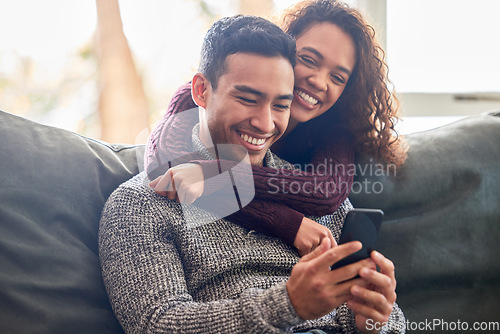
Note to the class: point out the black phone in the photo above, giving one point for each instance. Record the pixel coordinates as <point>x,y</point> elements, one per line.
<point>362,225</point>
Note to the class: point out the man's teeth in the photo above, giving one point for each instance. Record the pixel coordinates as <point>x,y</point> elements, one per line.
<point>306,97</point>
<point>251,140</point>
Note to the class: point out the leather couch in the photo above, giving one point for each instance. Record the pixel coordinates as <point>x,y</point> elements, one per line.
<point>442,227</point>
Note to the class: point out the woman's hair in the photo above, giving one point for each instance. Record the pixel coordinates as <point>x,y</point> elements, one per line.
<point>367,106</point>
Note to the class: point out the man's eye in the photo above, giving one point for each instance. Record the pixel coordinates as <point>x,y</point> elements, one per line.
<point>246,101</point>
<point>282,106</point>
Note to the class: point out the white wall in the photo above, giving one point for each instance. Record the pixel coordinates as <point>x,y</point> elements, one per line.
<point>421,100</point>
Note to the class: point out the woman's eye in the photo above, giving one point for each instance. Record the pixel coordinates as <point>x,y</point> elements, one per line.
<point>337,79</point>
<point>308,61</point>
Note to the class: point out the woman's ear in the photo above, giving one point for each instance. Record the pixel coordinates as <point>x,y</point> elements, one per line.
<point>200,87</point>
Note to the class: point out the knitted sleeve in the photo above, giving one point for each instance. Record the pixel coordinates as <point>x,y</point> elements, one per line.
<point>144,276</point>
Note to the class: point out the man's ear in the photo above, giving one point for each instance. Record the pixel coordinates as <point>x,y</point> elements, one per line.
<point>200,88</point>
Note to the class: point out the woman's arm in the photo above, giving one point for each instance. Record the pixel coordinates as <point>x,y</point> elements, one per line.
<point>320,189</point>
<point>317,191</point>
<point>170,134</point>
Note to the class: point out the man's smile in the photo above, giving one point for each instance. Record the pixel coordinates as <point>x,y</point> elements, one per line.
<point>252,141</point>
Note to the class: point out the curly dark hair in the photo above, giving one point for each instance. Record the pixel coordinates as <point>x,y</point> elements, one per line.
<point>367,107</point>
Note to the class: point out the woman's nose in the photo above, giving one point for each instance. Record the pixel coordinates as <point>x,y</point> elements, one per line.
<point>319,81</point>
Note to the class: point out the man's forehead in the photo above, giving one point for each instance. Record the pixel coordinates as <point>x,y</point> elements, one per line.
<point>252,73</point>
<point>240,58</point>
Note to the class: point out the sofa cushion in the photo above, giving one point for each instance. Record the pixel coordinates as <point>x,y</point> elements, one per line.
<point>53,185</point>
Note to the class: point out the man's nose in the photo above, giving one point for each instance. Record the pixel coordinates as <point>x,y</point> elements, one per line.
<point>262,120</point>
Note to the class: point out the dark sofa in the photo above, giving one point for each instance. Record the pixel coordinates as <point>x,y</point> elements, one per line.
<point>442,224</point>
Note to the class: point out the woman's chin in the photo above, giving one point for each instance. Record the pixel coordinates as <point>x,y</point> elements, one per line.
<point>302,116</point>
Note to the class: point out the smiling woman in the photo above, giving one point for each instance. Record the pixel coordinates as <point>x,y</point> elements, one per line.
<point>326,58</point>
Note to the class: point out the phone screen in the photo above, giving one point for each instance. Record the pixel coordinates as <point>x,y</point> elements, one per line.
<point>361,225</point>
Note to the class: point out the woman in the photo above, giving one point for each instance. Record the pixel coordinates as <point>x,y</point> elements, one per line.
<point>341,105</point>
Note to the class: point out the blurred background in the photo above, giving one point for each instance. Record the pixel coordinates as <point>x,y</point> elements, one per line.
<point>107,69</point>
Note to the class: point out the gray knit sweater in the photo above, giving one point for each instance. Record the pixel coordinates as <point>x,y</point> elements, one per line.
<point>164,274</point>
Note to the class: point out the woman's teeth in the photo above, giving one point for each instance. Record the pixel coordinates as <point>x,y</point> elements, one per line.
<point>251,140</point>
<point>306,97</point>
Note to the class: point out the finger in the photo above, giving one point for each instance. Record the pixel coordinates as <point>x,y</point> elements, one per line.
<point>324,245</point>
<point>170,195</point>
<point>367,311</point>
<point>386,266</point>
<point>370,304</point>
<point>329,235</point>
<point>335,254</point>
<point>169,186</point>
<point>159,186</point>
<point>164,183</point>
<point>334,243</point>
<point>153,183</point>
<point>348,272</point>
<point>344,287</point>
<point>380,283</point>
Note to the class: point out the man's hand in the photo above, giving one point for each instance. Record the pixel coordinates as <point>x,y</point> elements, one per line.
<point>376,300</point>
<point>183,183</point>
<point>314,289</point>
<point>309,236</point>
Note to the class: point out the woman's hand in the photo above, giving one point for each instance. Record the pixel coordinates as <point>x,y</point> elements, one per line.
<point>309,236</point>
<point>183,183</point>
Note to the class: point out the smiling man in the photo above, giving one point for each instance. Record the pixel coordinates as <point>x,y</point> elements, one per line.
<point>250,105</point>
<point>165,275</point>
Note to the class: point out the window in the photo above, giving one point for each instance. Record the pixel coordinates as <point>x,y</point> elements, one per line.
<point>445,46</point>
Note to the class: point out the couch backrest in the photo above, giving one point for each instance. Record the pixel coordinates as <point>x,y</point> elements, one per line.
<point>53,185</point>
<point>442,226</point>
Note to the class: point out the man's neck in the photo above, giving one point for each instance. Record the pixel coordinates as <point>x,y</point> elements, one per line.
<point>204,134</point>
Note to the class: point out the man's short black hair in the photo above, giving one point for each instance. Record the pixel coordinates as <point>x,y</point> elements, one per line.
<point>240,33</point>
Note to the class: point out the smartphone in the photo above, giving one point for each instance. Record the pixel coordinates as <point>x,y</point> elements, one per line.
<point>362,225</point>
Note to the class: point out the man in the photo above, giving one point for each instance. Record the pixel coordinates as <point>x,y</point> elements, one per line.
<point>164,274</point>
